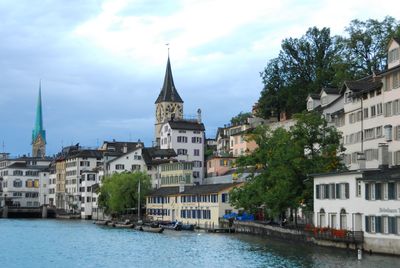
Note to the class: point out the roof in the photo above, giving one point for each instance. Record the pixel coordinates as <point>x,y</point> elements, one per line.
<point>38,128</point>
<point>330,90</point>
<point>118,146</point>
<point>382,174</point>
<point>186,125</point>
<point>87,153</point>
<point>23,165</point>
<point>314,96</point>
<point>149,155</point>
<point>246,131</point>
<point>362,86</point>
<point>193,190</point>
<point>168,92</point>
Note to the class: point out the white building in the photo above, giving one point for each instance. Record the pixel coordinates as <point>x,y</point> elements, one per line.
<point>362,200</point>
<point>23,180</point>
<point>76,164</point>
<point>187,138</point>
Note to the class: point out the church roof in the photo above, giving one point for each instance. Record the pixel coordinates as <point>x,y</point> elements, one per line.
<point>168,92</point>
<point>186,125</point>
<point>38,129</point>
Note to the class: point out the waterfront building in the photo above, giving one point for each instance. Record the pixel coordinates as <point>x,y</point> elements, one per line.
<point>38,133</point>
<point>52,184</point>
<point>23,179</point>
<point>366,200</point>
<point>202,205</point>
<point>75,165</point>
<point>187,138</point>
<point>88,183</point>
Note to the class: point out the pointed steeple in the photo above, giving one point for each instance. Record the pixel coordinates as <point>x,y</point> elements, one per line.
<point>168,92</point>
<point>38,128</point>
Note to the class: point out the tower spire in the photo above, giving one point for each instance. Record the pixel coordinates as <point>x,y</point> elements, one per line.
<point>168,92</point>
<point>38,133</point>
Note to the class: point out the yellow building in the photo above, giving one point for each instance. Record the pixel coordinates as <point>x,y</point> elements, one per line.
<point>201,205</point>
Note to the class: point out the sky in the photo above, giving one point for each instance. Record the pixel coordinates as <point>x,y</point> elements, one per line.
<point>102,63</point>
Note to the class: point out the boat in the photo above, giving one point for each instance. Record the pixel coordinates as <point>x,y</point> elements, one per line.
<point>150,229</point>
<point>125,224</point>
<point>105,222</point>
<point>177,226</point>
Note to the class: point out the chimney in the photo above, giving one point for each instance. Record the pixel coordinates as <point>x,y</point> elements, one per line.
<point>199,115</point>
<point>125,148</point>
<point>383,155</point>
<point>361,161</point>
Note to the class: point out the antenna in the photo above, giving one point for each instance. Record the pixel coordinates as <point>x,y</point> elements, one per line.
<point>3,147</point>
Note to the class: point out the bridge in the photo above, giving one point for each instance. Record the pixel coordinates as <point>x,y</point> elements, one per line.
<point>27,212</point>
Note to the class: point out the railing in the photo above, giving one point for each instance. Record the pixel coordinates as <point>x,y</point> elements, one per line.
<point>335,234</point>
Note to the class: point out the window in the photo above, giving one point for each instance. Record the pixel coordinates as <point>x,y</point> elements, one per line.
<point>379,132</point>
<point>196,174</point>
<point>365,112</point>
<point>379,109</point>
<point>373,111</point>
<point>181,152</point>
<point>196,139</point>
<point>18,173</point>
<point>395,80</point>
<point>197,164</point>
<point>135,167</point>
<point>119,167</point>
<point>17,183</point>
<point>369,133</point>
<point>181,139</point>
<point>358,193</point>
<point>196,152</point>
<point>393,55</point>
<point>388,109</point>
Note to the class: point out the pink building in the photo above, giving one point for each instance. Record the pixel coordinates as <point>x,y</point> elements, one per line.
<point>218,166</point>
<point>240,145</point>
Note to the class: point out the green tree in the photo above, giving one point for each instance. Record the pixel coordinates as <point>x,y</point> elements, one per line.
<point>365,49</point>
<point>286,159</point>
<point>240,118</point>
<point>304,66</point>
<point>120,191</point>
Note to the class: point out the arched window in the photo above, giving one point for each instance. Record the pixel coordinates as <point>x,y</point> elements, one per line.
<point>343,219</point>
<point>321,218</point>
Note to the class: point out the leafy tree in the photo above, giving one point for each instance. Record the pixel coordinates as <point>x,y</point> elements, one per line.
<point>120,191</point>
<point>286,159</point>
<point>240,118</point>
<point>303,66</point>
<point>366,46</point>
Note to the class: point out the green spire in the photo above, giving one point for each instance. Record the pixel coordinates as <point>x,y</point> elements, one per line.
<point>38,129</point>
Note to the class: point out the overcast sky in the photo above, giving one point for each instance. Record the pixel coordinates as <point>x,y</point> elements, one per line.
<point>102,63</point>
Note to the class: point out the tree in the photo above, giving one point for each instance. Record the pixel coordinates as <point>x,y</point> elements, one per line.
<point>240,118</point>
<point>304,66</point>
<point>366,46</point>
<point>119,192</point>
<point>286,159</point>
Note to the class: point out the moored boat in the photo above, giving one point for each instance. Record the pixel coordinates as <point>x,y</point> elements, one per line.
<point>150,229</point>
<point>105,222</point>
<point>177,226</point>
<point>124,225</point>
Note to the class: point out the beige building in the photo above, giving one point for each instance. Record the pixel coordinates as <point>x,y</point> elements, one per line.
<point>176,173</point>
<point>202,205</point>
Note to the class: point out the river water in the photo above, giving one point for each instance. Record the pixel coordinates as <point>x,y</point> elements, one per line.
<point>57,243</point>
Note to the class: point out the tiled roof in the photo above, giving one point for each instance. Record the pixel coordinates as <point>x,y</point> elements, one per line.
<point>186,125</point>
<point>193,190</point>
<point>330,90</point>
<point>363,86</point>
<point>149,155</point>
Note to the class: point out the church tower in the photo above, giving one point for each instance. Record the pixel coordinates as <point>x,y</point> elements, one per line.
<point>38,133</point>
<point>169,104</point>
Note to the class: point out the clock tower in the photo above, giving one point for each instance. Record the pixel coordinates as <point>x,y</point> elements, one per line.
<point>169,104</point>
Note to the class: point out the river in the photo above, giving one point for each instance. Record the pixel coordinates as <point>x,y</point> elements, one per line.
<point>58,243</point>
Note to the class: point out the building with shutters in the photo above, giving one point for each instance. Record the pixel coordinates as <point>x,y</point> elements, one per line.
<point>366,200</point>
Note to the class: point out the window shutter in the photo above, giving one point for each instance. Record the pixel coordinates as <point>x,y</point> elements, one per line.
<point>318,191</point>
<point>367,191</point>
<point>338,191</point>
<point>378,224</point>
<point>378,192</point>
<point>367,228</point>
<point>347,186</point>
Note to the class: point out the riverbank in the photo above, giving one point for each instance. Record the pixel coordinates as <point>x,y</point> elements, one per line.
<point>350,240</point>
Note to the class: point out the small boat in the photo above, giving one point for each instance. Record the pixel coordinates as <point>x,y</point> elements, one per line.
<point>105,222</point>
<point>177,226</point>
<point>150,229</point>
<point>124,225</point>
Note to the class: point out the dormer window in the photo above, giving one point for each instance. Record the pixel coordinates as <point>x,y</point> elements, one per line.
<point>393,55</point>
